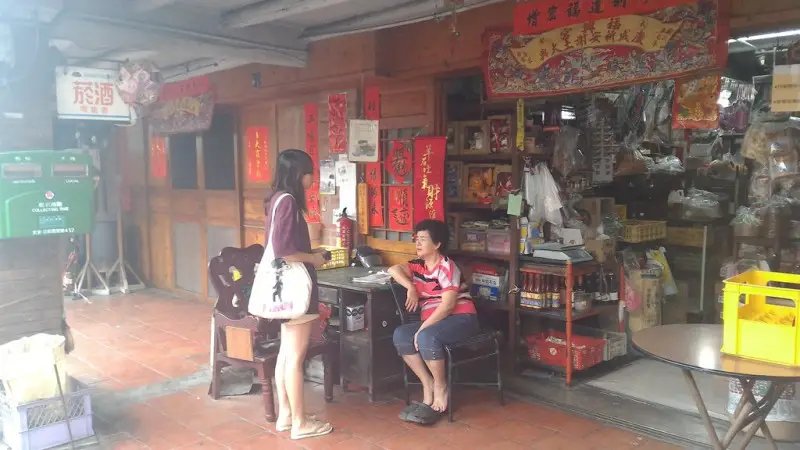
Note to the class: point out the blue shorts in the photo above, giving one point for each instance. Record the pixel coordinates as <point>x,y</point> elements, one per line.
<point>450,330</point>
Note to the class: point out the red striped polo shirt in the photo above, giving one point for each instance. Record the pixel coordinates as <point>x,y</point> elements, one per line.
<point>431,284</point>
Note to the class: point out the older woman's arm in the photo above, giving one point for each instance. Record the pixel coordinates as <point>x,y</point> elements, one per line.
<point>449,299</point>
<point>402,276</point>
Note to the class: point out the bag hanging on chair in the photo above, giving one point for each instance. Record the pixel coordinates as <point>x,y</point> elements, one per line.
<point>281,289</point>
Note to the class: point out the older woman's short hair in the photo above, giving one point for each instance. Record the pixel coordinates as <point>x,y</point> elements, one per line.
<point>438,230</point>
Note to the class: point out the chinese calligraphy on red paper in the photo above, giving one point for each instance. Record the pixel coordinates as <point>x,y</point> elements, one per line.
<point>311,115</point>
<point>158,157</point>
<point>257,144</point>
<point>375,194</point>
<point>400,208</point>
<point>429,153</point>
<point>398,160</point>
<point>537,16</point>
<point>337,123</point>
<point>372,103</point>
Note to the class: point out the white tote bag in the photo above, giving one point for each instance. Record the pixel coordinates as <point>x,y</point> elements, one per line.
<point>281,289</point>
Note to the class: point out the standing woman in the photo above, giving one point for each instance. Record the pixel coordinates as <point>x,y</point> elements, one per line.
<point>294,173</point>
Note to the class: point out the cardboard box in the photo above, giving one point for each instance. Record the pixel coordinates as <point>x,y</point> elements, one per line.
<point>652,291</point>
<point>595,208</point>
<point>602,249</point>
<point>676,307</point>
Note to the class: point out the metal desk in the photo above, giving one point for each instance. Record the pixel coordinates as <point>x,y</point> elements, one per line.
<point>367,357</point>
<point>697,348</point>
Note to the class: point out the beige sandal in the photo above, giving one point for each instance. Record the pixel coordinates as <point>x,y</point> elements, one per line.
<point>318,429</point>
<point>288,427</point>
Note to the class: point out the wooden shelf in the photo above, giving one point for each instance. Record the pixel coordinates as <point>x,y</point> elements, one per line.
<point>561,314</point>
<point>560,270</point>
<point>488,157</point>
<point>482,255</point>
<point>476,206</point>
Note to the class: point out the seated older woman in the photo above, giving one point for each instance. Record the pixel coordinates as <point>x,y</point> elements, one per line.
<point>448,314</point>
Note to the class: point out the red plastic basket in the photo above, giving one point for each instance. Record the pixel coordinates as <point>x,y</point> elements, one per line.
<point>586,351</point>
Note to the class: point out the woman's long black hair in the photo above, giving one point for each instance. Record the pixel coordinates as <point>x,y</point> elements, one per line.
<point>292,165</point>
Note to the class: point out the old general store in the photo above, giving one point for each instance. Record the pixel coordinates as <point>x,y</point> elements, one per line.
<point>455,110</point>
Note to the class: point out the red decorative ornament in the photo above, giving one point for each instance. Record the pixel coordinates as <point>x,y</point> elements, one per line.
<point>375,194</point>
<point>311,115</point>
<point>337,123</point>
<point>398,160</point>
<point>400,208</point>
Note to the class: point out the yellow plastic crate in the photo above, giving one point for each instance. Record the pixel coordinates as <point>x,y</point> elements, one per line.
<point>757,330</point>
<point>635,231</point>
<point>687,236</point>
<point>339,258</point>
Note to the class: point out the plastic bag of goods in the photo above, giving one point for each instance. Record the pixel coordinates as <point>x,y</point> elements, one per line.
<point>27,368</point>
<point>783,420</point>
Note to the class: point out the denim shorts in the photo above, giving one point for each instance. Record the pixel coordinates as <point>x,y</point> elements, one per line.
<point>450,330</point>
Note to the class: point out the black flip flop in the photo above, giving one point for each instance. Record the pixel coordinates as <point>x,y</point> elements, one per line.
<point>423,415</point>
<point>408,410</point>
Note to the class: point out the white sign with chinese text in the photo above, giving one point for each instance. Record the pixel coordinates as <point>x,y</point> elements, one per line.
<point>89,94</point>
<point>786,88</point>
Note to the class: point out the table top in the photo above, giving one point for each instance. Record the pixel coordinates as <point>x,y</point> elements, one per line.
<point>343,279</point>
<point>697,347</point>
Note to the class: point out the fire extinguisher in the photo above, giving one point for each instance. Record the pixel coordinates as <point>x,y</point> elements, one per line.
<point>344,232</point>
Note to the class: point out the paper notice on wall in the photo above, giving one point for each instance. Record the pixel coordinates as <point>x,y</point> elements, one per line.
<point>786,88</point>
<point>327,177</point>
<point>348,187</point>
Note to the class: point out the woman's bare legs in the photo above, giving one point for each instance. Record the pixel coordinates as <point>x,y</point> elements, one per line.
<point>284,408</point>
<point>292,354</point>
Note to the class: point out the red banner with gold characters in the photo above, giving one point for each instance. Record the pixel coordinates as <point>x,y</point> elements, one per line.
<point>609,52</point>
<point>398,160</point>
<point>375,194</point>
<point>257,145</point>
<point>400,218</point>
<point>372,103</point>
<point>158,157</point>
<point>337,123</point>
<point>694,104</point>
<point>311,113</point>
<point>429,155</point>
<point>538,16</point>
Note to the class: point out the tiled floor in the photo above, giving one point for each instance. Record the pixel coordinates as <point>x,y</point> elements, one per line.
<point>147,354</point>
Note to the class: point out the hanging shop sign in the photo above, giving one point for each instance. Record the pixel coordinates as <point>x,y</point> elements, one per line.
<point>311,118</point>
<point>538,16</point>
<point>158,157</point>
<point>786,88</point>
<point>610,52</point>
<point>400,214</point>
<point>257,145</point>
<point>429,153</point>
<point>184,107</point>
<point>398,160</point>
<point>372,103</point>
<point>89,94</point>
<point>694,105</point>
<point>375,194</point>
<point>337,123</point>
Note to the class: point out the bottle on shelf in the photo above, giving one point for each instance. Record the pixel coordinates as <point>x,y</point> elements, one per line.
<point>525,294</point>
<point>538,302</point>
<point>547,296</point>
<point>613,286</point>
<point>555,292</point>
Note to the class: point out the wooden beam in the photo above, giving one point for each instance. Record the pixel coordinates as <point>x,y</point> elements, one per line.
<point>150,5</point>
<point>764,22</point>
<point>399,15</point>
<point>85,30</point>
<point>272,10</point>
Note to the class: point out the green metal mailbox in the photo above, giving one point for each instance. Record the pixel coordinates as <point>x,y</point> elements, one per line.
<point>45,192</point>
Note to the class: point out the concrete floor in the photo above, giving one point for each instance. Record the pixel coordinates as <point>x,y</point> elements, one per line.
<point>146,358</point>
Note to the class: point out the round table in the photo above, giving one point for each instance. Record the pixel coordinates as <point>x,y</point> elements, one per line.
<point>696,348</point>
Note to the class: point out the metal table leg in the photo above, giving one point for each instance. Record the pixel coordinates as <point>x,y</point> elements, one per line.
<point>748,411</point>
